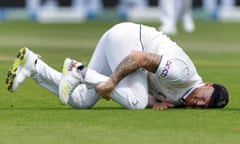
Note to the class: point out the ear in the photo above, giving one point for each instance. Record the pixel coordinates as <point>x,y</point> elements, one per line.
<point>208,84</point>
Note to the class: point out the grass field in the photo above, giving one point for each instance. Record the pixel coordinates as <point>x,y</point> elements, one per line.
<point>32,115</point>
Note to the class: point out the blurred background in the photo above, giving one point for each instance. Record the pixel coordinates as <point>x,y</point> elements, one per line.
<point>46,11</point>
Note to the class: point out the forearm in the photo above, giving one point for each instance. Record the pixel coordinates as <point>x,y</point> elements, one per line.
<point>126,67</point>
<point>133,62</point>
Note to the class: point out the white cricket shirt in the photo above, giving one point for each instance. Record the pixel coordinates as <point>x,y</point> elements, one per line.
<point>176,76</point>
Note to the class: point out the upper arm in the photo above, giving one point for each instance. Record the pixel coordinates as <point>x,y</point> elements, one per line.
<point>149,61</point>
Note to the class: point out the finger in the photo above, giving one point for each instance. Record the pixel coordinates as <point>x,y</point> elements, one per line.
<point>159,108</point>
<point>106,97</point>
<point>170,105</point>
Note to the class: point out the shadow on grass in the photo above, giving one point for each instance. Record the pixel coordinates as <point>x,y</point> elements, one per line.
<point>107,108</point>
<point>61,108</point>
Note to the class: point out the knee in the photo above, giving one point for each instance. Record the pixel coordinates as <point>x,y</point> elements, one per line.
<point>129,100</point>
<point>137,105</point>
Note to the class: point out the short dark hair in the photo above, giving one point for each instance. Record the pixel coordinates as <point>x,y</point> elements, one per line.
<point>219,98</point>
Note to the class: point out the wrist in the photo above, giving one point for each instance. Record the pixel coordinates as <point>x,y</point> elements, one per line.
<point>112,83</point>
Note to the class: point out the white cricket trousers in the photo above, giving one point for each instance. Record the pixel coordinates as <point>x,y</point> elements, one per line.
<point>114,46</point>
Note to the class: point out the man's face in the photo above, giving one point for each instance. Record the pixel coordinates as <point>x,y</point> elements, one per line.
<point>200,97</point>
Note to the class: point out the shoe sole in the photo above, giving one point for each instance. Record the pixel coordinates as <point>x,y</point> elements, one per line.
<point>19,60</point>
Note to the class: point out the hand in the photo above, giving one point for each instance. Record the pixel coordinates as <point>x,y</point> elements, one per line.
<point>162,105</point>
<point>104,89</point>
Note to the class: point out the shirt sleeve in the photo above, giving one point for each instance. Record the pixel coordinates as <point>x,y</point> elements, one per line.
<point>173,70</point>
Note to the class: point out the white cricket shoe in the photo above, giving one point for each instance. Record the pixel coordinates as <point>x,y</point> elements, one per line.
<point>72,76</point>
<point>22,68</point>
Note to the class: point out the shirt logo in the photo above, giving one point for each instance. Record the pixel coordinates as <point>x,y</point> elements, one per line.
<point>166,69</point>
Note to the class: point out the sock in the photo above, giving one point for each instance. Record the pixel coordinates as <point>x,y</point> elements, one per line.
<point>92,78</point>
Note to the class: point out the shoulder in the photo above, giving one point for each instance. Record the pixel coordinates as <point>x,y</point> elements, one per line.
<point>174,70</point>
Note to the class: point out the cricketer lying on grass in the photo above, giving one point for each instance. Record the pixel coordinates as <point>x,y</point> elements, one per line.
<point>133,64</point>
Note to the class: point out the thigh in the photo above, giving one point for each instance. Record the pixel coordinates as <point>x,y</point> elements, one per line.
<point>98,61</point>
<point>114,46</point>
<point>122,39</point>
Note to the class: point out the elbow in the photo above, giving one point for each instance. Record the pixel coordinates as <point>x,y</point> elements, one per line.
<point>136,56</point>
<point>134,53</point>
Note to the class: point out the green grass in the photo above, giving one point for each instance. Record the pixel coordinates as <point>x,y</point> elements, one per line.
<point>34,115</point>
